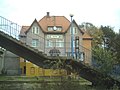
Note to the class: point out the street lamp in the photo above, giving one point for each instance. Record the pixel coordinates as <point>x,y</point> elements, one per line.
<point>72,49</point>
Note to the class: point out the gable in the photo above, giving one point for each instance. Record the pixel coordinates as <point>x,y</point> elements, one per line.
<point>35,25</point>
<point>74,22</point>
<point>76,29</point>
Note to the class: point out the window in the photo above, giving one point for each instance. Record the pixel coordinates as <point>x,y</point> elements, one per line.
<point>56,43</point>
<point>35,43</point>
<point>59,28</point>
<point>50,28</point>
<point>55,40</point>
<point>74,30</point>
<point>35,30</point>
<point>59,43</point>
<point>49,43</point>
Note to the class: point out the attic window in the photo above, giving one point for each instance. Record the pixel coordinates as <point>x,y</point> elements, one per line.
<point>35,30</point>
<point>74,30</point>
<point>55,28</point>
<point>50,28</point>
<point>59,28</point>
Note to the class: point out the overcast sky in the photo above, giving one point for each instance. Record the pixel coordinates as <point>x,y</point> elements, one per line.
<point>97,12</point>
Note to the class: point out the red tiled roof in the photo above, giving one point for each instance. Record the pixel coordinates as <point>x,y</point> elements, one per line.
<point>86,36</point>
<point>50,21</point>
<point>54,21</point>
<point>24,29</point>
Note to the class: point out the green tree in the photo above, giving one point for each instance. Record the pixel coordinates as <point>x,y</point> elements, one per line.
<point>94,32</point>
<point>104,59</point>
<point>108,36</point>
<point>113,41</point>
<point>116,47</point>
<point>104,36</point>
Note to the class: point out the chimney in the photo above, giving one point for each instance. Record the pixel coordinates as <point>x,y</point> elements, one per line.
<point>48,14</point>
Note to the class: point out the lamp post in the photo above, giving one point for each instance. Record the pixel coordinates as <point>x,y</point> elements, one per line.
<point>72,49</point>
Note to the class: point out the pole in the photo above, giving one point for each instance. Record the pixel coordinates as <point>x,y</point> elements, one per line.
<point>72,49</point>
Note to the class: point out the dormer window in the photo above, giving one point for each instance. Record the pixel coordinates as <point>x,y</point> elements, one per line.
<point>50,28</point>
<point>35,30</point>
<point>59,28</point>
<point>54,28</point>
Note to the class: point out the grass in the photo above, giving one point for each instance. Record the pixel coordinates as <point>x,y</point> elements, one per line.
<point>50,79</point>
<point>40,83</point>
<point>46,83</point>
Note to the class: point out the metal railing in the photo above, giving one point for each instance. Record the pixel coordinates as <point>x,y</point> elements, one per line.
<point>9,27</point>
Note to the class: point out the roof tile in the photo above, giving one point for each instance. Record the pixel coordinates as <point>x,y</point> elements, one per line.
<point>54,21</point>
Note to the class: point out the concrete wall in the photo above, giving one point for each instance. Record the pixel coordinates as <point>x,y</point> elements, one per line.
<point>11,63</point>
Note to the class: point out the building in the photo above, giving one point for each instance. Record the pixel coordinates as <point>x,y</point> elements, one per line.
<point>54,32</point>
